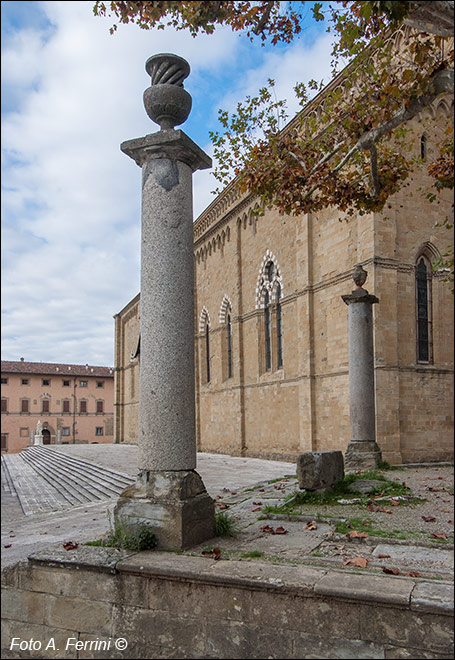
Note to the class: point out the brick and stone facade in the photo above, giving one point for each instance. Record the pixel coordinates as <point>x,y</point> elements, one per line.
<point>275,383</point>
<point>74,403</point>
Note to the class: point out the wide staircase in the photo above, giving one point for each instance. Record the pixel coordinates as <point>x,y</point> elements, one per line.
<point>49,480</point>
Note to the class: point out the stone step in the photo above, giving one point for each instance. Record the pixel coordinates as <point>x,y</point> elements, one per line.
<point>111,477</point>
<point>81,479</point>
<point>7,482</point>
<point>34,493</point>
<point>66,480</point>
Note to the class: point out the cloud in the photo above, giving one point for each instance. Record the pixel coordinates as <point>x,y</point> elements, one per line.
<point>71,199</point>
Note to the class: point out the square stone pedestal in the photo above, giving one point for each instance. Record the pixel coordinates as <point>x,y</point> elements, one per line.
<point>362,456</point>
<point>319,471</point>
<point>175,505</point>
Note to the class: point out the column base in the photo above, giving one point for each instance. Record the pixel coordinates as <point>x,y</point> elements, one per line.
<point>175,504</point>
<point>362,456</point>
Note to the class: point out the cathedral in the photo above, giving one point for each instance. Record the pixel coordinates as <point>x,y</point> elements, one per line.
<point>271,328</point>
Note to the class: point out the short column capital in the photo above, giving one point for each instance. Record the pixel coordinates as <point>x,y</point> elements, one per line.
<point>172,144</point>
<point>360,296</point>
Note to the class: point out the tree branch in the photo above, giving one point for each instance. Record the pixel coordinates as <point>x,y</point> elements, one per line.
<point>264,18</point>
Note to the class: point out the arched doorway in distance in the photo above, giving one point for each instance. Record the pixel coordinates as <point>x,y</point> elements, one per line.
<point>46,437</point>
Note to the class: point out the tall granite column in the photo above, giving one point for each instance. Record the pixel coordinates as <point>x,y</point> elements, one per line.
<point>362,452</point>
<point>168,495</point>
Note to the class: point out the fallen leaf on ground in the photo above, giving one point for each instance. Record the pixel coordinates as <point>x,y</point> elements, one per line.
<point>357,535</point>
<point>70,545</point>
<point>450,522</point>
<point>222,505</point>
<point>394,503</point>
<point>340,547</point>
<point>435,535</point>
<point>412,574</point>
<point>311,525</point>
<point>8,546</point>
<point>258,508</point>
<point>233,492</point>
<point>261,490</point>
<point>42,533</point>
<point>433,490</point>
<point>390,571</point>
<point>383,556</point>
<point>257,503</point>
<point>269,530</point>
<point>428,518</point>
<point>357,561</point>
<point>214,553</point>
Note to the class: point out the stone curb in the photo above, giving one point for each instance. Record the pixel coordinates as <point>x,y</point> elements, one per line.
<point>421,595</point>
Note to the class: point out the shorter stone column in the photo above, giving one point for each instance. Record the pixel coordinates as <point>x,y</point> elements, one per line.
<point>363,452</point>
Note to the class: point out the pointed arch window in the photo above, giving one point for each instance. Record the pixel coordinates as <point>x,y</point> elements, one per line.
<point>207,352</point>
<point>279,335</point>
<point>267,332</point>
<point>423,310</point>
<point>229,344</point>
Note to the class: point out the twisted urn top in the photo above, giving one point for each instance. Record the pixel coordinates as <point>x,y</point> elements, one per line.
<point>166,101</point>
<point>167,69</point>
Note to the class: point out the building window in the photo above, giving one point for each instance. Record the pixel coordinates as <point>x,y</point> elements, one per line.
<point>65,431</point>
<point>4,381</point>
<point>100,383</point>
<point>423,147</point>
<point>83,383</point>
<point>24,432</point>
<point>66,383</point>
<point>268,333</point>
<point>24,381</point>
<point>229,344</point>
<point>207,352</point>
<point>45,405</point>
<point>24,405</point>
<point>4,405</point>
<point>45,381</point>
<point>423,309</point>
<point>99,430</point>
<point>279,337</point>
<point>4,441</point>
<point>83,406</point>
<point>66,406</point>
<point>99,407</point>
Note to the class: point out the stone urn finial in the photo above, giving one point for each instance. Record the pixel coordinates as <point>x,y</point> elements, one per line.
<point>359,276</point>
<point>166,102</point>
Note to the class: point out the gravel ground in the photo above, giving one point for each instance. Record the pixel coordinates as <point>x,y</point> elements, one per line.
<point>432,484</point>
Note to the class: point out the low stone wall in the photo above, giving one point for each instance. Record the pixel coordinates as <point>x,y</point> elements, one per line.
<point>89,602</point>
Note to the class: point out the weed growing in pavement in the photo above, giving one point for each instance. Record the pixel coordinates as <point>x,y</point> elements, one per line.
<point>123,534</point>
<point>225,524</point>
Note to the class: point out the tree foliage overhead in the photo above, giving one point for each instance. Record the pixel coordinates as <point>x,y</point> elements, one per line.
<point>347,148</point>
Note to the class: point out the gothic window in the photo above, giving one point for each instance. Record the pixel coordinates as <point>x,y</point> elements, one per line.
<point>207,352</point>
<point>423,310</point>
<point>267,333</point>
<point>279,338</point>
<point>423,147</point>
<point>269,292</point>
<point>204,334</point>
<point>229,344</point>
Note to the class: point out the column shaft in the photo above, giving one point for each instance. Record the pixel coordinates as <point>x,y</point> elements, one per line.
<point>166,400</point>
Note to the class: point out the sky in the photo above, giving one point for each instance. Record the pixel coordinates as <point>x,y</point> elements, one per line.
<point>71,93</point>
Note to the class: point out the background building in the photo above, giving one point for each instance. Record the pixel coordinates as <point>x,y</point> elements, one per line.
<point>271,343</point>
<point>73,402</point>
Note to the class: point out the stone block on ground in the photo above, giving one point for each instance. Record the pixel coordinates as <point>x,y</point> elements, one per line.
<point>319,470</point>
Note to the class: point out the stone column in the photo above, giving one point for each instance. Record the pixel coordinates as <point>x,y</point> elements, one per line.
<point>168,495</point>
<point>363,452</point>
<point>39,434</point>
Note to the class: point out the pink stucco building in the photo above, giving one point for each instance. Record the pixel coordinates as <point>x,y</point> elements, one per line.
<point>73,402</point>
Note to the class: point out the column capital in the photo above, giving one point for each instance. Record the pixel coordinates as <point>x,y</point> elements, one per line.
<point>172,144</point>
<point>360,296</point>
